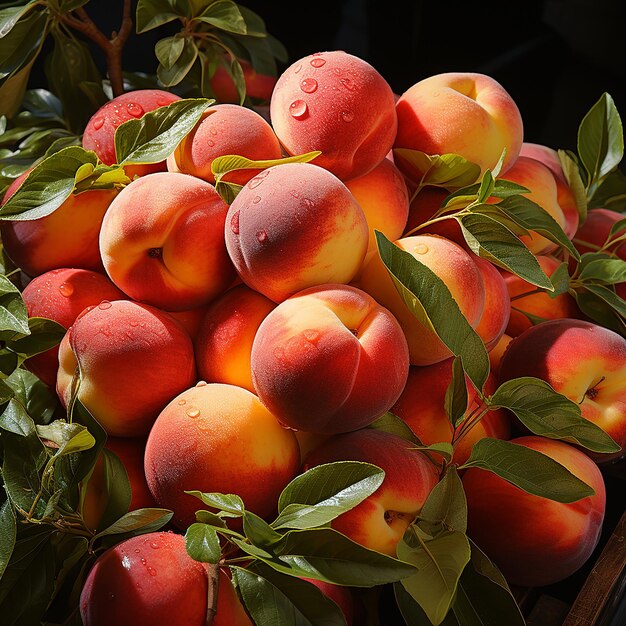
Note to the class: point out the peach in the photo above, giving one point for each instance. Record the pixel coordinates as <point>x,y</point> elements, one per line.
<point>592,235</point>
<point>461,113</point>
<point>497,352</point>
<point>339,104</point>
<point>68,237</point>
<point>317,359</point>
<point>379,522</point>
<point>454,266</point>
<point>190,320</point>
<point>295,226</point>
<point>132,359</point>
<point>584,362</point>
<point>421,406</point>
<point>548,156</point>
<point>225,129</point>
<point>533,540</point>
<point>341,596</point>
<point>537,304</point>
<point>383,196</point>
<point>61,295</point>
<point>224,342</point>
<point>230,611</point>
<point>497,309</point>
<point>217,437</point>
<point>148,579</point>
<point>99,134</point>
<point>259,86</point>
<point>162,242</point>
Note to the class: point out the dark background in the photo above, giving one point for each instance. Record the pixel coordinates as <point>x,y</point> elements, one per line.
<point>555,57</point>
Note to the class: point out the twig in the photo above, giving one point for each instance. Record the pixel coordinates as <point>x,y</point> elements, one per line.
<point>212,591</point>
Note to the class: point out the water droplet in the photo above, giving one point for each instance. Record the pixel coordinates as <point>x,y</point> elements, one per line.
<point>143,561</point>
<point>66,289</point>
<point>125,562</point>
<point>308,85</point>
<point>210,143</point>
<point>337,71</point>
<point>104,305</point>
<point>318,62</point>
<point>347,116</point>
<point>258,179</point>
<point>154,545</point>
<point>295,194</point>
<point>308,203</point>
<point>311,335</point>
<point>182,402</point>
<point>348,84</point>
<point>201,383</point>
<point>234,222</point>
<point>298,109</point>
<point>193,412</point>
<point>112,596</point>
<point>261,236</point>
<point>435,94</point>
<point>98,123</point>
<point>162,102</point>
<point>212,131</point>
<point>136,110</point>
<point>137,550</point>
<point>297,70</point>
<point>134,324</point>
<point>152,571</point>
<point>256,199</point>
<point>420,248</point>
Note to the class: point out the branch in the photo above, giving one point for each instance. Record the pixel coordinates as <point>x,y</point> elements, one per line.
<point>212,591</point>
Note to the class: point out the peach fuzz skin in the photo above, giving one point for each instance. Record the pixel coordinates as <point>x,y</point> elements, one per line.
<point>99,134</point>
<point>533,540</point>
<point>61,295</point>
<point>584,362</point>
<point>295,226</point>
<point>162,242</point>
<point>421,406</point>
<point>461,113</point>
<point>149,579</point>
<point>133,359</point>
<point>317,360</point>
<point>497,309</point>
<point>224,342</point>
<point>355,133</point>
<point>68,237</point>
<point>203,434</point>
<point>453,266</point>
<point>225,129</point>
<point>379,522</point>
<point>592,235</point>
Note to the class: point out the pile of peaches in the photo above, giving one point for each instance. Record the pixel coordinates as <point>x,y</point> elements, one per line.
<point>226,348</point>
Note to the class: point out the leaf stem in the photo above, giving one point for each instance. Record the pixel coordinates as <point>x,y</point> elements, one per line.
<point>212,591</point>
<point>519,296</point>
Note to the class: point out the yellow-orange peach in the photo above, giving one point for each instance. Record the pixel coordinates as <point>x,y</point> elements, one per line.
<point>216,437</point>
<point>339,104</point>
<point>497,352</point>
<point>535,541</point>
<point>584,362</point>
<point>132,359</point>
<point>68,237</point>
<point>461,113</point>
<point>162,242</point>
<point>224,342</point>
<point>295,226</point>
<point>421,406</point>
<point>317,360</point>
<point>497,309</point>
<point>148,579</point>
<point>225,129</point>
<point>61,295</point>
<point>379,522</point>
<point>453,266</point>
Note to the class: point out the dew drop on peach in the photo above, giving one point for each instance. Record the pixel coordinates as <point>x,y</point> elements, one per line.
<point>308,85</point>
<point>298,109</point>
<point>66,289</point>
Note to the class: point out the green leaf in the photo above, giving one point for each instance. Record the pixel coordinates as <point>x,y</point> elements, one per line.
<point>599,310</point>
<point>68,438</point>
<point>329,490</point>
<point>443,448</point>
<point>601,139</point>
<point>493,241</point>
<point>141,521</point>
<point>428,298</point>
<point>610,297</point>
<point>236,72</point>
<point>22,43</point>
<point>44,334</point>
<point>411,611</point>
<point>13,314</point>
<point>175,73</point>
<point>153,137</point>
<point>560,280</point>
<point>203,544</point>
<point>8,534</point>
<point>40,401</point>
<point>168,50</point>
<point>153,13</point>
<point>258,531</point>
<point>116,487</point>
<point>446,505</point>
<point>212,519</point>
<point>486,187</point>
<point>571,171</point>
<point>446,170</point>
<point>455,402</point>
<point>10,16</point>
<point>550,414</point>
<point>505,188</point>
<point>607,271</point>
<point>274,598</point>
<point>48,185</point>
<point>532,471</point>
<point>227,503</point>
<point>440,563</point>
<point>611,193</point>
<point>225,15</point>
<point>390,423</point>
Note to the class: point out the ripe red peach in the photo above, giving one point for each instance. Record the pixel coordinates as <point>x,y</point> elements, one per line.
<point>68,237</point>
<point>132,358</point>
<point>497,309</point>
<point>454,266</point>
<point>537,304</point>
<point>259,86</point>
<point>593,234</point>
<point>548,156</point>
<point>217,437</point>
<point>496,354</point>
<point>149,579</point>
<point>461,113</point>
<point>339,104</point>
<point>99,134</point>
<point>225,129</point>
<point>190,320</point>
<point>295,226</point>
<point>341,596</point>
<point>533,540</point>
<point>230,611</point>
<point>162,242</point>
<point>61,295</point>
<point>421,406</point>
<point>224,342</point>
<point>317,360</point>
<point>379,522</point>
<point>584,362</point>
